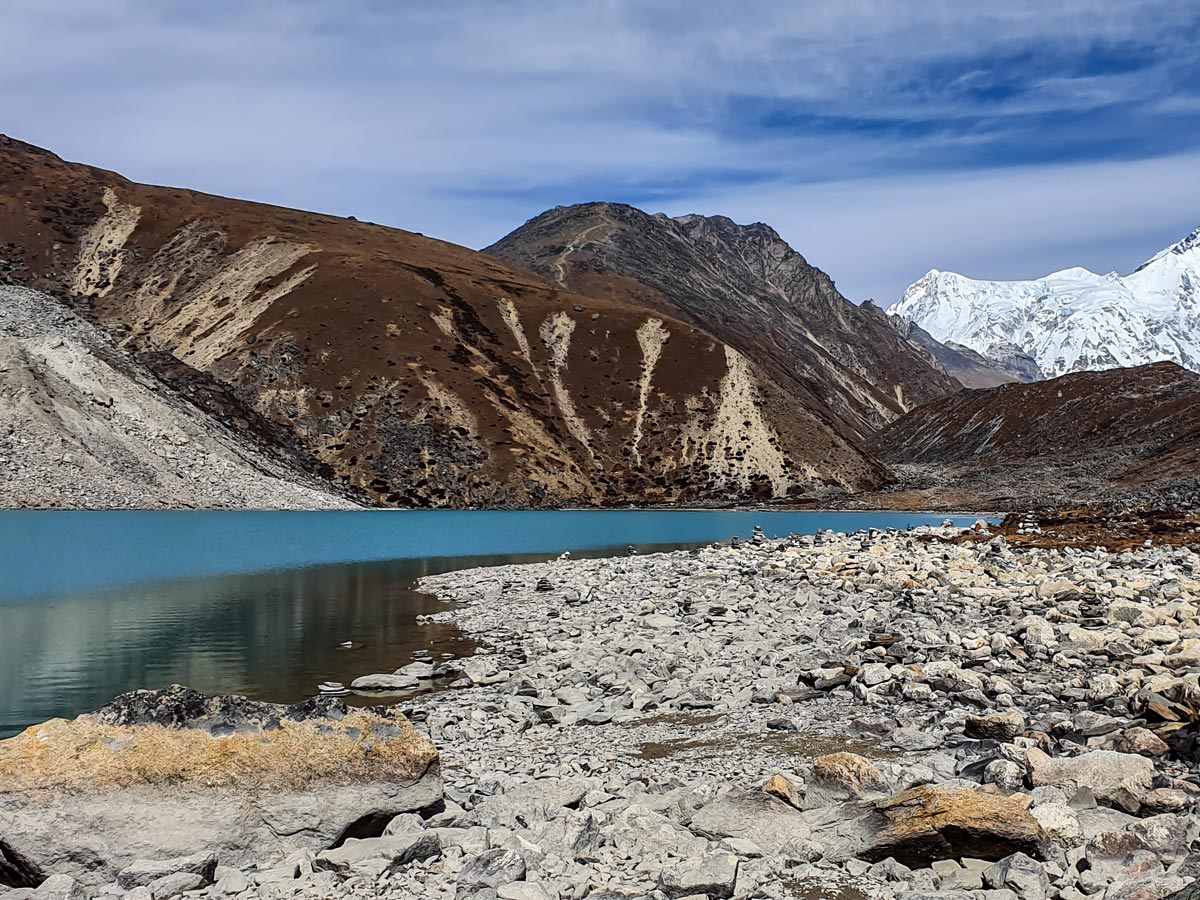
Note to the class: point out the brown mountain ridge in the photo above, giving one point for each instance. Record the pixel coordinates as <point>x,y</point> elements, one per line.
<point>426,374</point>
<point>749,288</point>
<point>1081,437</point>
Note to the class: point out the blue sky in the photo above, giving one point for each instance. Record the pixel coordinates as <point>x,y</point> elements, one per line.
<point>882,138</point>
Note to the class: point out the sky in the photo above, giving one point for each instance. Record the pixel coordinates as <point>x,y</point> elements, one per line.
<point>881,138</point>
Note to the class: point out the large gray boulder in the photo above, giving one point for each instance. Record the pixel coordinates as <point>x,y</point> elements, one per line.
<point>157,775</point>
<point>1114,779</point>
<point>714,876</point>
<point>397,850</point>
<point>530,802</point>
<point>1024,876</point>
<point>144,872</point>
<point>493,869</point>
<point>385,682</point>
<point>755,816</point>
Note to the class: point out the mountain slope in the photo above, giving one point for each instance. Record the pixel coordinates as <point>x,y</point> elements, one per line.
<point>1125,427</point>
<point>84,425</point>
<point>746,286</point>
<point>423,373</point>
<point>1074,320</point>
<point>961,363</point>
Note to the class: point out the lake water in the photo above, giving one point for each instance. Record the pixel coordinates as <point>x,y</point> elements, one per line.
<point>93,604</point>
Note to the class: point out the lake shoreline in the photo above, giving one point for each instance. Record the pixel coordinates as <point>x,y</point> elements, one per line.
<point>870,714</point>
<point>264,601</point>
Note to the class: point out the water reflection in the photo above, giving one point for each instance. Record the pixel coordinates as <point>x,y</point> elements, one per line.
<point>272,635</point>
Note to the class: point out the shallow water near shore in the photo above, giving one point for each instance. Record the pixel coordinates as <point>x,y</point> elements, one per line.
<point>93,604</point>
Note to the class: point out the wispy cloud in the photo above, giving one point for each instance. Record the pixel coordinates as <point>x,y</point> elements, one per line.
<point>837,120</point>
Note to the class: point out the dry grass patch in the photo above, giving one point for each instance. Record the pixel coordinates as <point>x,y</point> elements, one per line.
<point>85,755</point>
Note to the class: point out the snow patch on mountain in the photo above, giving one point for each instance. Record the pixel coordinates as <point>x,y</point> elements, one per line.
<point>1073,320</point>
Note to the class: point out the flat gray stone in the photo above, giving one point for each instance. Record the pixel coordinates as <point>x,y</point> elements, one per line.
<point>713,876</point>
<point>143,872</point>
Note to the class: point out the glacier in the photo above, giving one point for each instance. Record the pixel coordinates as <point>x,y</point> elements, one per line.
<point>1073,320</point>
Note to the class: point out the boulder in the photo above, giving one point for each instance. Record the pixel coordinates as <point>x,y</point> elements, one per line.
<point>779,786</point>
<point>482,669</point>
<point>529,802</point>
<point>842,776</point>
<point>493,869</point>
<point>142,872</point>
<point>713,876</point>
<point>157,775</point>
<point>946,676</point>
<point>637,830</point>
<point>383,682</point>
<point>1117,856</point>
<point>1142,742</point>
<point>61,887</point>
<point>928,823</point>
<point>1115,779</point>
<point>1060,825</point>
<point>1153,887</point>
<point>396,850</point>
<point>1168,837</point>
<point>1024,876</point>
<point>173,885</point>
<point>1039,634</point>
<point>874,674</point>
<point>1058,589</point>
<point>770,823</point>
<point>1183,655</point>
<point>997,726</point>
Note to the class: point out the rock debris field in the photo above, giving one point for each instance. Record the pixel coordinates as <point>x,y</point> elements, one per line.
<point>83,425</point>
<point>839,716</point>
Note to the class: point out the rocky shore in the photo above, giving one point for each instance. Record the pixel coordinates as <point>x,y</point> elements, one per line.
<point>892,714</point>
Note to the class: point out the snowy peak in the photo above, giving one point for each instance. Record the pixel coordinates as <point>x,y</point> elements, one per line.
<point>1073,320</point>
<point>1191,242</point>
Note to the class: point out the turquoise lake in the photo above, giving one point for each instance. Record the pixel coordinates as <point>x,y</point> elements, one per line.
<point>93,604</point>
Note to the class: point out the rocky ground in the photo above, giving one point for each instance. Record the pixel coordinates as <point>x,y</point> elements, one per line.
<point>1022,483</point>
<point>84,425</point>
<point>872,715</point>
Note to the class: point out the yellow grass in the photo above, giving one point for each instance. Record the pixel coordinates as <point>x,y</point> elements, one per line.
<point>84,755</point>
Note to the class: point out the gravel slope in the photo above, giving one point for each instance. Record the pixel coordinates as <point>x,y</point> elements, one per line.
<point>84,426</point>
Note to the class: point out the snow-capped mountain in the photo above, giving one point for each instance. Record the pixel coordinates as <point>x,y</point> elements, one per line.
<point>1073,320</point>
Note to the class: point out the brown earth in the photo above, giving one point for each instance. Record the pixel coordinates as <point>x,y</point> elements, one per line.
<point>420,372</point>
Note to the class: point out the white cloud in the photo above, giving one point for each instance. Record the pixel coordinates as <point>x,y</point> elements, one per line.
<point>434,117</point>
